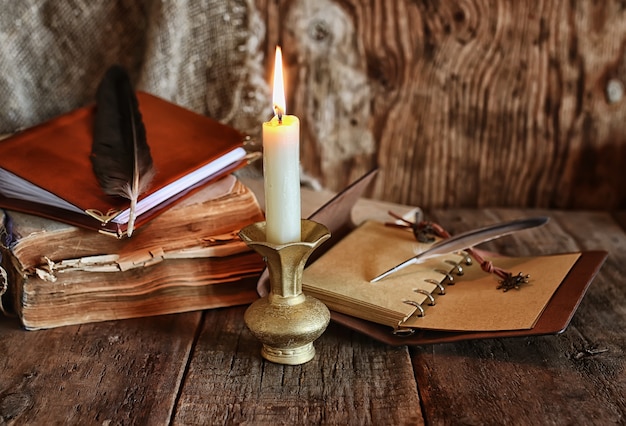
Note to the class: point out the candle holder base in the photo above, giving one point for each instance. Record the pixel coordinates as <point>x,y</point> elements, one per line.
<point>286,321</point>
<point>293,356</point>
<point>287,327</point>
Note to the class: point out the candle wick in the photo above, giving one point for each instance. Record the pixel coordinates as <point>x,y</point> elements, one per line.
<point>279,114</point>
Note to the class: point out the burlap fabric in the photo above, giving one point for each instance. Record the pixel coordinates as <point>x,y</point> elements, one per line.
<point>205,55</point>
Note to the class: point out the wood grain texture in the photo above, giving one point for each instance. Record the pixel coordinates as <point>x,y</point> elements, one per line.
<point>351,380</point>
<point>461,103</point>
<point>579,374</point>
<point>118,372</point>
<point>205,368</point>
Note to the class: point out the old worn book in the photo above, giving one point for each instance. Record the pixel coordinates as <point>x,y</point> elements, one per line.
<point>46,170</point>
<point>187,258</point>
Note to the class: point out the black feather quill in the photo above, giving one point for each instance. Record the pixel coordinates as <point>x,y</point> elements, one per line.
<point>120,154</point>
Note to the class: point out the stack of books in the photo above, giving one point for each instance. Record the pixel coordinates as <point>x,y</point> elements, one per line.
<point>64,246</point>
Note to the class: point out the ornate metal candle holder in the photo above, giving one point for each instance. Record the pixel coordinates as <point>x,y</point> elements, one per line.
<point>286,321</point>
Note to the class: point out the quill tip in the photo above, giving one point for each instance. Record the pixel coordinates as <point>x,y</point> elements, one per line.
<point>378,278</point>
<point>392,270</point>
<point>130,226</point>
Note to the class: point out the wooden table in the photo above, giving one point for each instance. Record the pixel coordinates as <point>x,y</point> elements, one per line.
<point>205,367</point>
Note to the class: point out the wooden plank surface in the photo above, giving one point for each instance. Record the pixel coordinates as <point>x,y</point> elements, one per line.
<point>351,380</point>
<point>579,374</point>
<point>460,103</point>
<point>201,368</point>
<point>117,372</point>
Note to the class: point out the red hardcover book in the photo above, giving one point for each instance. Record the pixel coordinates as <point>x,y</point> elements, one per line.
<point>46,170</point>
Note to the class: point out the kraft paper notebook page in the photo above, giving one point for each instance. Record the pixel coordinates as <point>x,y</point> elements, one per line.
<point>188,150</point>
<point>554,320</point>
<point>340,278</point>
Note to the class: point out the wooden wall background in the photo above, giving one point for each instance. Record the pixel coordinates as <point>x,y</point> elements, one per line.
<point>460,102</point>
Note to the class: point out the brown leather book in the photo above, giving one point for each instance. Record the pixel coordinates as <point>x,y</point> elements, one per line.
<point>46,170</point>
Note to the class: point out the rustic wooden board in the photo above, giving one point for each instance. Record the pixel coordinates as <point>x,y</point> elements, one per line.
<point>351,380</point>
<point>206,368</point>
<point>118,372</point>
<point>461,103</point>
<point>579,374</point>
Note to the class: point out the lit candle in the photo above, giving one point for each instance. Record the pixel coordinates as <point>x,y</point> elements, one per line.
<point>281,167</point>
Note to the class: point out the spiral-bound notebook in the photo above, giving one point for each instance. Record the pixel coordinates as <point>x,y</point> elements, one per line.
<point>554,319</point>
<point>442,293</point>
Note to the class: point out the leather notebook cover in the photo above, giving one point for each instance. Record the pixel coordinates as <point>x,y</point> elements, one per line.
<point>55,156</point>
<point>336,215</point>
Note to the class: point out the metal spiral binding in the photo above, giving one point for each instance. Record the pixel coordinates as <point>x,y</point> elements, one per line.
<point>431,299</point>
<point>403,332</point>
<point>458,269</point>
<point>420,310</point>
<point>442,289</point>
<point>448,276</point>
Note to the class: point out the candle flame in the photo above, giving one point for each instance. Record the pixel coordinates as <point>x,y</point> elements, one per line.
<point>278,98</point>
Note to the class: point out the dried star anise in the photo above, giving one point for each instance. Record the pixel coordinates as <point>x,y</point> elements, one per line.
<point>511,281</point>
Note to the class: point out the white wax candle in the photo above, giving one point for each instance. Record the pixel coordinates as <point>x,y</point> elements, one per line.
<point>281,168</point>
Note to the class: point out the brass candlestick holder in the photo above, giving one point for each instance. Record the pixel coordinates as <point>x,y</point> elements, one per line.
<point>286,321</point>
